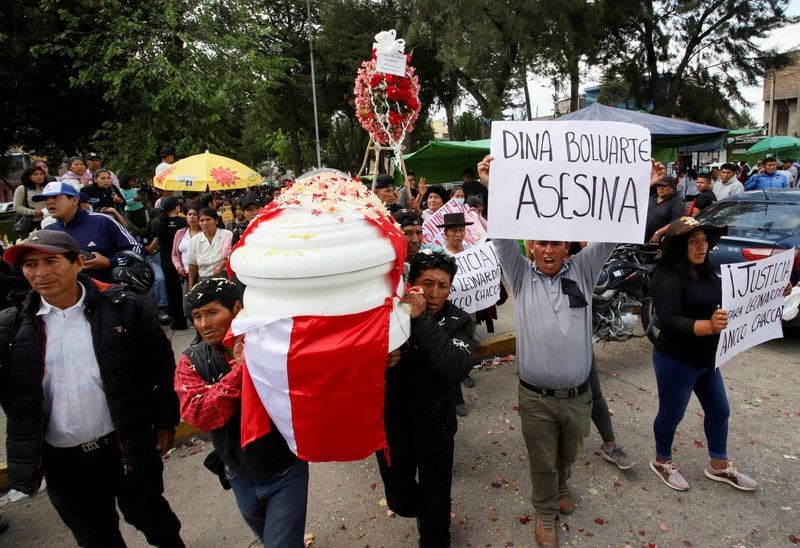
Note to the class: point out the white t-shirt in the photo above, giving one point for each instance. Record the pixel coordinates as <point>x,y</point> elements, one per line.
<point>208,255</point>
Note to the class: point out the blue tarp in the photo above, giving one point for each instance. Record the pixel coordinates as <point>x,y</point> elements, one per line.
<point>664,131</point>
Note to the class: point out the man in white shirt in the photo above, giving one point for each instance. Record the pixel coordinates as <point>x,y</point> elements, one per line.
<point>86,377</point>
<point>167,159</point>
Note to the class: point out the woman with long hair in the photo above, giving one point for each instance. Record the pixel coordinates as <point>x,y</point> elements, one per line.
<point>180,250</point>
<point>29,213</point>
<point>687,296</point>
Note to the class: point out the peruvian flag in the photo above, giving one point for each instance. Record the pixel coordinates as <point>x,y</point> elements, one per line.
<point>321,381</point>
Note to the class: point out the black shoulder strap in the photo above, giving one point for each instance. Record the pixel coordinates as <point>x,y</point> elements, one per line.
<point>208,362</point>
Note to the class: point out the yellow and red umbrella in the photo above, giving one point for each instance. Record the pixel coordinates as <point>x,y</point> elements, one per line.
<point>206,172</point>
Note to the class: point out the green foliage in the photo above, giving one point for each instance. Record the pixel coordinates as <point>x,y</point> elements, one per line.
<point>613,91</point>
<point>467,126</point>
<point>479,43</point>
<point>663,48</point>
<point>39,110</point>
<point>346,144</point>
<point>127,77</point>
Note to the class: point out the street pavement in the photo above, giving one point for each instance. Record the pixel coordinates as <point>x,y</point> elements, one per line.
<point>491,486</point>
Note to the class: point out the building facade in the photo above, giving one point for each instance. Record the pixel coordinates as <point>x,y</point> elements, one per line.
<point>781,97</point>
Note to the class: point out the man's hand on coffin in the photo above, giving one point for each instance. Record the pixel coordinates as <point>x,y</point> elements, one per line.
<point>417,302</point>
<point>393,358</point>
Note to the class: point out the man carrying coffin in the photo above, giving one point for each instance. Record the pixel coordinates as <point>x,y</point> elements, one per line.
<point>419,410</point>
<point>269,482</point>
<point>554,358</point>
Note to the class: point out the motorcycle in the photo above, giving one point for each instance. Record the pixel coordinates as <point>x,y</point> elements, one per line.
<point>622,307</point>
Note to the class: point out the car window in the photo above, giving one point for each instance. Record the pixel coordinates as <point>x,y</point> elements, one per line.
<point>766,215</point>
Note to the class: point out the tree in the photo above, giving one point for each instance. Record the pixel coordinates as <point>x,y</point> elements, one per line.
<point>480,44</point>
<point>663,45</point>
<point>39,110</point>
<point>467,126</point>
<point>566,36</point>
<point>176,72</point>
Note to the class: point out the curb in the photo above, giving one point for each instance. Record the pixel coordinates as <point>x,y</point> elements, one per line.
<point>496,345</point>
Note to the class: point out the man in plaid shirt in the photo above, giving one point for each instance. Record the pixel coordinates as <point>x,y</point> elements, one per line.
<point>270,483</point>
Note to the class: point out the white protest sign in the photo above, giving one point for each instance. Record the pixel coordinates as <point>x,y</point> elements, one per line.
<point>477,282</point>
<point>432,234</point>
<point>575,180</point>
<point>752,293</point>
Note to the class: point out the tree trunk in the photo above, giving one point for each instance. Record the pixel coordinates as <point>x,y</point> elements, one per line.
<point>449,107</point>
<point>527,93</point>
<point>483,103</point>
<point>574,82</point>
<point>651,57</point>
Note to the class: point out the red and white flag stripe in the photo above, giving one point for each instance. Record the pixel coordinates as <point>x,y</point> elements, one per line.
<point>321,381</point>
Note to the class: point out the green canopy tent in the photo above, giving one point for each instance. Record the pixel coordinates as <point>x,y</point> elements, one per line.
<point>443,161</point>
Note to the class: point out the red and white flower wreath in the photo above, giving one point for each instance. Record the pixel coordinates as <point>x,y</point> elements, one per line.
<point>386,105</point>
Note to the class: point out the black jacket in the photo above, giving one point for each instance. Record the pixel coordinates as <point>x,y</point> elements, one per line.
<point>419,411</point>
<point>260,460</point>
<point>136,364</point>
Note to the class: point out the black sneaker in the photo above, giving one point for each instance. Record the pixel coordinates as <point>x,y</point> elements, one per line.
<point>469,382</point>
<point>3,524</point>
<point>617,455</point>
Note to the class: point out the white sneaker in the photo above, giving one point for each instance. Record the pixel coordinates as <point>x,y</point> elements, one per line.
<point>669,474</point>
<point>731,476</point>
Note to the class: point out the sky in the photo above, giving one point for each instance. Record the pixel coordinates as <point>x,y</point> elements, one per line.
<point>784,39</point>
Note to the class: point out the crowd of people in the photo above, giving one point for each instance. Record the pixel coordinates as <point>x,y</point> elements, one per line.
<point>108,415</point>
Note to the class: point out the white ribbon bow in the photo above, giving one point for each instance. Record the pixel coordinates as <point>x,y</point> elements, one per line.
<point>386,43</point>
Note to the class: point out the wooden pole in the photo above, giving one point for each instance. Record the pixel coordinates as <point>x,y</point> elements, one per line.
<point>366,158</point>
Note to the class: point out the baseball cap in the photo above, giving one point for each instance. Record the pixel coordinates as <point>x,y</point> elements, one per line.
<point>666,181</point>
<point>92,155</point>
<point>168,203</point>
<point>250,198</point>
<point>56,188</point>
<point>407,217</point>
<point>47,241</point>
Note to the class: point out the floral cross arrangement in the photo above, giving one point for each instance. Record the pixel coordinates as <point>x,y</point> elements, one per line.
<point>387,105</point>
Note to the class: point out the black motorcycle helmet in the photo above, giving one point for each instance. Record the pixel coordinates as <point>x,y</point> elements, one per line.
<point>134,272</point>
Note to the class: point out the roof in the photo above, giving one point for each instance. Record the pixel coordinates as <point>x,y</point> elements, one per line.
<point>665,131</point>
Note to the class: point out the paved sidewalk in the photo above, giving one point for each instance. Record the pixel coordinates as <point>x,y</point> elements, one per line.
<point>491,486</point>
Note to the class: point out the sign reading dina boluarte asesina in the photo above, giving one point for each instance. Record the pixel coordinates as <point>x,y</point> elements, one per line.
<point>575,180</point>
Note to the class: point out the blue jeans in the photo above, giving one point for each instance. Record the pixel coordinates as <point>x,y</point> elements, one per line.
<point>275,509</point>
<point>159,285</point>
<point>676,381</point>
